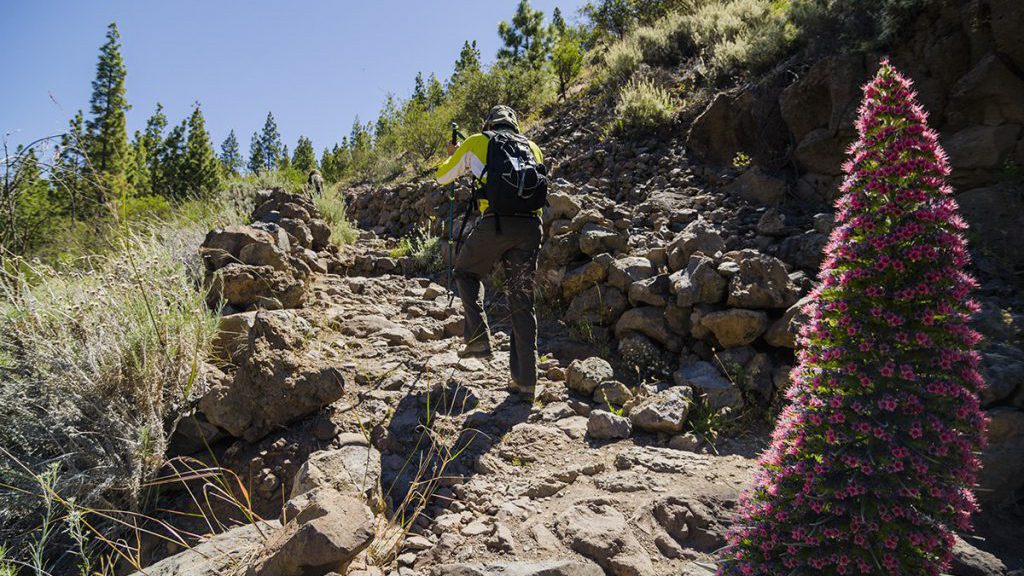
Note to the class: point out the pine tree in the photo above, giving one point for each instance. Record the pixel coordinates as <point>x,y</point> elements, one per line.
<point>328,167</point>
<point>257,160</point>
<point>871,465</point>
<point>270,141</point>
<point>231,155</point>
<point>435,93</point>
<point>388,118</point>
<point>71,167</point>
<point>139,177</point>
<point>152,140</point>
<point>284,161</point>
<point>168,181</point>
<point>304,158</point>
<point>107,133</point>
<point>525,38</point>
<point>200,169</point>
<point>467,65</point>
<point>558,25</point>
<point>419,91</point>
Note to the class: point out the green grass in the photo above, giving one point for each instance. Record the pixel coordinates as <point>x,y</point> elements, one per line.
<point>99,355</point>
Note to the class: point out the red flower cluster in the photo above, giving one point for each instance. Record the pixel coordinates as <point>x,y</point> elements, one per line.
<point>871,464</point>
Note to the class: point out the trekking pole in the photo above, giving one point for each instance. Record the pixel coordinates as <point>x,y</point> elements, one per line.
<point>451,222</point>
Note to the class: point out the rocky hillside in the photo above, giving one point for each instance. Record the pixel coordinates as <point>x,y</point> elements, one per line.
<point>672,275</point>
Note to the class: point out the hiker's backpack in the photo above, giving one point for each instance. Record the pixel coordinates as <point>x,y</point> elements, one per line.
<point>516,183</point>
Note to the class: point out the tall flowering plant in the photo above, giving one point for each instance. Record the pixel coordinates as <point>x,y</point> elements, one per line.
<point>872,462</point>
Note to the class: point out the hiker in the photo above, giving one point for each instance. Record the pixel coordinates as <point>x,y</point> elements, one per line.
<point>512,188</point>
<point>315,182</point>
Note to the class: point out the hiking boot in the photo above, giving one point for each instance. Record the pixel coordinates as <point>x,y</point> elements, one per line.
<point>526,392</point>
<point>475,349</point>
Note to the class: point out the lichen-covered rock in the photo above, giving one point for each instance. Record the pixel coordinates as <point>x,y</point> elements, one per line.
<point>584,375</point>
<point>664,411</point>
<point>604,425</point>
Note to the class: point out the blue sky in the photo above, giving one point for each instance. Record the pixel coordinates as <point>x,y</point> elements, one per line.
<point>315,63</point>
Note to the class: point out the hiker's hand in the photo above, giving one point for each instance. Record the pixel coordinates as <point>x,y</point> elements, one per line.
<point>452,147</point>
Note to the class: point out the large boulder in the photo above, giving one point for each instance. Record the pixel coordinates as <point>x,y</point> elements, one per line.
<point>216,555</point>
<point>326,533</point>
<point>1007,20</point>
<point>653,291</point>
<point>603,425</point>
<point>758,187</point>
<point>783,332</point>
<point>597,530</point>
<point>664,411</point>
<point>351,469</point>
<point>977,152</point>
<point>596,239</point>
<point>622,273</point>
<point>649,321</point>
<point>584,375</point>
<point>244,286</point>
<point>705,379</point>
<point>598,305</point>
<point>275,383</point>
<point>762,282</point>
<point>994,216</point>
<point>735,326</point>
<point>990,94</point>
<point>698,236</point>
<point>585,276</point>
<point>699,283</point>
<point>822,152</point>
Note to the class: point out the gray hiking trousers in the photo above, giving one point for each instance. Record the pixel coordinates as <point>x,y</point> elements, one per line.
<point>517,247</point>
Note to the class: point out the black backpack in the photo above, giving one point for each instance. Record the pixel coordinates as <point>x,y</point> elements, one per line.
<point>516,184</point>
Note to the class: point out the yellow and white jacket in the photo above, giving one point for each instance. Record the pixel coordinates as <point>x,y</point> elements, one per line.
<point>471,156</point>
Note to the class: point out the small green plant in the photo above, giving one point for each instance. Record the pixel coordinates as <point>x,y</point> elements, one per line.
<point>643,106</point>
<point>611,408</point>
<point>706,422</point>
<point>741,161</point>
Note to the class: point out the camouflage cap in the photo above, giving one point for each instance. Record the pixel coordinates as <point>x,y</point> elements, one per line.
<point>501,115</point>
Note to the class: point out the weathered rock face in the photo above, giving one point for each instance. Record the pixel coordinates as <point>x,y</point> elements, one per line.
<point>604,425</point>
<point>598,531</point>
<point>351,469</point>
<point>275,383</point>
<point>217,555</point>
<point>703,377</point>
<point>665,411</point>
<point>268,264</point>
<point>585,375</point>
<point>327,532</point>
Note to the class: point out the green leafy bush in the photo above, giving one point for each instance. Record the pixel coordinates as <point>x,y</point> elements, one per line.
<point>643,106</point>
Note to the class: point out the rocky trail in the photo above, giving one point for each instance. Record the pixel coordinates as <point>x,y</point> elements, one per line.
<point>670,286</point>
<point>371,448</point>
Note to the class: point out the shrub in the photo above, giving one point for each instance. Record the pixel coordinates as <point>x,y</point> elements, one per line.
<point>96,360</point>
<point>332,207</point>
<point>872,463</point>
<point>667,42</point>
<point>643,106</point>
<point>621,60</point>
<point>739,35</point>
